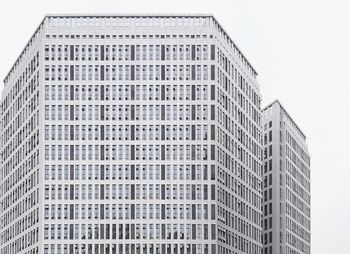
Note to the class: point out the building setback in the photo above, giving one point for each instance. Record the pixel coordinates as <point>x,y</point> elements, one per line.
<point>130,134</point>
<point>286,184</point>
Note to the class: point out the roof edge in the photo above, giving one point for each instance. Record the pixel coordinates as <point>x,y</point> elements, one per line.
<point>276,101</point>
<point>128,15</point>
<point>24,48</point>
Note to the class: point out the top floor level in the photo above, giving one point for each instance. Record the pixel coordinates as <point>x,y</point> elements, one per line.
<point>140,22</point>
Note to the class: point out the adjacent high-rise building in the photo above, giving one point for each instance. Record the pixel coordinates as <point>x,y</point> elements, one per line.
<point>286,184</point>
<point>133,134</point>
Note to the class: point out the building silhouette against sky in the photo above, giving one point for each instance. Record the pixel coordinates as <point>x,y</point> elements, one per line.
<point>286,184</point>
<point>131,134</point>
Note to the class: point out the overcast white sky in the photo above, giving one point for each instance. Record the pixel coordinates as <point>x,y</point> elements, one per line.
<point>301,52</point>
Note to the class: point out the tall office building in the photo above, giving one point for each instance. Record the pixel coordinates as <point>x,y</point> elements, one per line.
<point>131,134</point>
<point>286,184</point>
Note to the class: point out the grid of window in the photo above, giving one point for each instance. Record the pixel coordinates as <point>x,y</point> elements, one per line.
<point>286,185</point>
<point>140,126</point>
<point>238,158</point>
<point>19,154</point>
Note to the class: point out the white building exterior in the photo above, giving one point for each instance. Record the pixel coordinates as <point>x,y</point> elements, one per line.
<point>286,184</point>
<point>130,134</point>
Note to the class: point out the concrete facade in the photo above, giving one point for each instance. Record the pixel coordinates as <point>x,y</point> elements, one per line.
<point>130,134</point>
<point>286,184</point>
